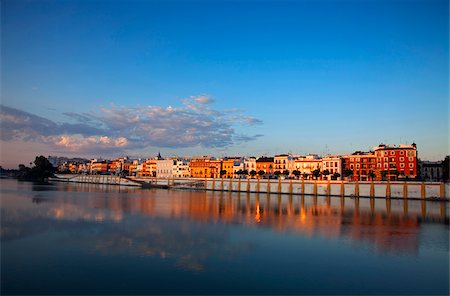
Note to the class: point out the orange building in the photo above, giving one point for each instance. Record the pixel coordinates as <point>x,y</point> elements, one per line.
<point>265,164</point>
<point>205,167</point>
<point>148,168</point>
<point>98,167</point>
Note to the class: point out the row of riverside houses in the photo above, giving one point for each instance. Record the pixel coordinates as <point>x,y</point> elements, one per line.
<point>384,162</point>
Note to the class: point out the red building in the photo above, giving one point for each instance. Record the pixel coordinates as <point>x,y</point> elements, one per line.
<point>394,162</point>
<point>363,165</point>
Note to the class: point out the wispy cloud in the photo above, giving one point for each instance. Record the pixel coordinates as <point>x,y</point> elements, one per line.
<point>117,129</point>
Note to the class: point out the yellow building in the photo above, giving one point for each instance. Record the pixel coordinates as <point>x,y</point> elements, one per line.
<point>205,168</point>
<point>227,166</point>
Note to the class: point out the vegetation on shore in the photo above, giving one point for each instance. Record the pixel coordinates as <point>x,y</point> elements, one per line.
<point>40,172</point>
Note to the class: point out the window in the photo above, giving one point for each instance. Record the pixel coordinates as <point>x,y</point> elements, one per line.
<point>402,159</point>
<point>357,165</point>
<point>385,165</point>
<point>402,152</point>
<point>351,166</point>
<point>410,158</point>
<point>385,159</point>
<point>392,153</point>
<point>385,153</point>
<point>379,165</point>
<point>402,165</point>
<point>392,159</point>
<point>411,165</point>
<point>411,172</point>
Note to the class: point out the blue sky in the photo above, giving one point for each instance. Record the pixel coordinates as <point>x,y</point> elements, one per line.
<point>281,76</point>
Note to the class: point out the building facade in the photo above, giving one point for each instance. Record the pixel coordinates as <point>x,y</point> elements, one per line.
<point>396,161</point>
<point>307,165</point>
<point>265,164</point>
<point>363,166</point>
<point>431,170</point>
<point>284,162</point>
<point>205,167</point>
<point>332,164</point>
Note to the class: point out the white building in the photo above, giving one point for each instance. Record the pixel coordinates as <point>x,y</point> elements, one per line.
<point>333,164</point>
<point>172,168</point>
<point>180,169</point>
<point>250,164</point>
<point>238,165</point>
<point>307,164</point>
<point>164,168</point>
<point>284,162</point>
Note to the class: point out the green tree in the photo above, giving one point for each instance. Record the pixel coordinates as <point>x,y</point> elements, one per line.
<point>261,173</point>
<point>296,173</point>
<point>277,173</point>
<point>335,176</point>
<point>253,173</point>
<point>41,170</point>
<point>371,175</point>
<point>222,172</point>
<point>316,173</point>
<point>326,173</point>
<point>347,173</point>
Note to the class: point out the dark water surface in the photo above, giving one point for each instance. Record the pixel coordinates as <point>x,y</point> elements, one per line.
<point>91,239</point>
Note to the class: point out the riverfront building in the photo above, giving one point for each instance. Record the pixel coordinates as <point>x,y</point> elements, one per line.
<point>228,166</point>
<point>205,167</point>
<point>431,170</point>
<point>250,164</point>
<point>283,162</point>
<point>307,165</point>
<point>394,161</point>
<point>99,166</point>
<point>333,165</point>
<point>362,164</point>
<point>265,164</point>
<point>164,168</point>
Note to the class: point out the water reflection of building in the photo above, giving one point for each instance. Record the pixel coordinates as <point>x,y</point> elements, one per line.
<point>387,225</point>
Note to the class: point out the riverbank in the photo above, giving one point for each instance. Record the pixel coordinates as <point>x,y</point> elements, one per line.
<point>378,189</point>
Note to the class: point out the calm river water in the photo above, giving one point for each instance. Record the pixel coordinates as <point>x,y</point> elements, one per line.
<point>90,239</point>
